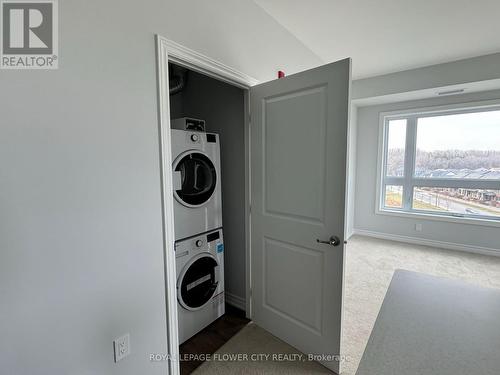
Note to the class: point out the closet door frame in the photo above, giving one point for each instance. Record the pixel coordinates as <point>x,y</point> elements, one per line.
<point>170,51</point>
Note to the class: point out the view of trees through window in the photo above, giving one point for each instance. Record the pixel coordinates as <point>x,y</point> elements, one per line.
<point>396,143</point>
<point>449,148</point>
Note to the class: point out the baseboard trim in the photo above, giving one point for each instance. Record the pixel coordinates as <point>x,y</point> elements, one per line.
<point>427,242</point>
<point>236,301</point>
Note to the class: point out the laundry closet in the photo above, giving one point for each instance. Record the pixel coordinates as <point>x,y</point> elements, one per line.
<point>209,178</point>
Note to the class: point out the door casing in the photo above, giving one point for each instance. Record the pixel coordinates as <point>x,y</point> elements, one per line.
<point>169,51</point>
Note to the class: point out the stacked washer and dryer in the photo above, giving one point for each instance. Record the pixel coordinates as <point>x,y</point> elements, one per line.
<point>199,246</point>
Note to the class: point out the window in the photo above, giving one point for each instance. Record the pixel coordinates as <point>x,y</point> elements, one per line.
<point>444,163</point>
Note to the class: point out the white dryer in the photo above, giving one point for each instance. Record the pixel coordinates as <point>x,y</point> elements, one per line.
<point>200,282</point>
<point>196,180</point>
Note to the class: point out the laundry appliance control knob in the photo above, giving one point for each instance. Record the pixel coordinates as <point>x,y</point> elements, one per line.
<point>199,243</point>
<point>195,137</point>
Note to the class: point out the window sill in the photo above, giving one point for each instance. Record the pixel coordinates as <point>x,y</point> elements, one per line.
<point>449,219</point>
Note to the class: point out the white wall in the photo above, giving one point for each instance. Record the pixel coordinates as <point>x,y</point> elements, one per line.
<point>81,257</point>
<point>238,33</point>
<point>351,170</point>
<point>455,235</point>
<point>466,73</point>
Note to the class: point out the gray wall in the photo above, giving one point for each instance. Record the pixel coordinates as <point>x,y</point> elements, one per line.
<point>176,105</point>
<point>81,259</point>
<point>351,170</point>
<point>462,72</point>
<point>366,182</point>
<point>222,107</point>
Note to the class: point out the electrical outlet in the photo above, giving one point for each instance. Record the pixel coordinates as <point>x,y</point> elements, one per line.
<point>418,227</point>
<point>121,346</point>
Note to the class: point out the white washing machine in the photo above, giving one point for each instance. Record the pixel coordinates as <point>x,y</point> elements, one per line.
<point>196,180</point>
<point>200,282</point>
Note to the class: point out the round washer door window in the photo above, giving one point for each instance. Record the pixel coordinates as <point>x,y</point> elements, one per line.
<point>198,283</point>
<point>198,179</point>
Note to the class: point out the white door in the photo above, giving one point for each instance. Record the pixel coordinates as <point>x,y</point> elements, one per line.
<point>298,154</point>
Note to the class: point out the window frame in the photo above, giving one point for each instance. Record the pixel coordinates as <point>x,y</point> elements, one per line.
<point>409,182</point>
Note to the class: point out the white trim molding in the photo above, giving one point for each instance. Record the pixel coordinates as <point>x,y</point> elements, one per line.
<point>236,301</point>
<point>196,61</point>
<point>248,213</point>
<point>167,199</point>
<point>427,242</point>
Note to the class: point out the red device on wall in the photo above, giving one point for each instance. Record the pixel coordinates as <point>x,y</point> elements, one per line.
<point>281,74</point>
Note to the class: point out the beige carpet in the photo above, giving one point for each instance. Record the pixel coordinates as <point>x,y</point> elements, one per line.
<point>370,265</point>
<point>253,340</point>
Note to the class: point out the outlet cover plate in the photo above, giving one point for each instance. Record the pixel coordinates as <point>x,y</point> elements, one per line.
<point>121,347</point>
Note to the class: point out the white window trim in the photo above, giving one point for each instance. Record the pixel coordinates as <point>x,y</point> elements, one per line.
<point>412,114</point>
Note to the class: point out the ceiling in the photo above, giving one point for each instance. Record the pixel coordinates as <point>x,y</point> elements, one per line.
<point>385,36</point>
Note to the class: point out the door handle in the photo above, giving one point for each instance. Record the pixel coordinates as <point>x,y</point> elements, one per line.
<point>333,241</point>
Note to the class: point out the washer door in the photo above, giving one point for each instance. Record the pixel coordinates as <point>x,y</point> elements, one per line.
<point>198,179</point>
<point>198,281</point>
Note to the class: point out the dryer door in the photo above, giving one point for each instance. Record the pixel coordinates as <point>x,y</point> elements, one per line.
<point>198,281</point>
<point>198,179</point>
